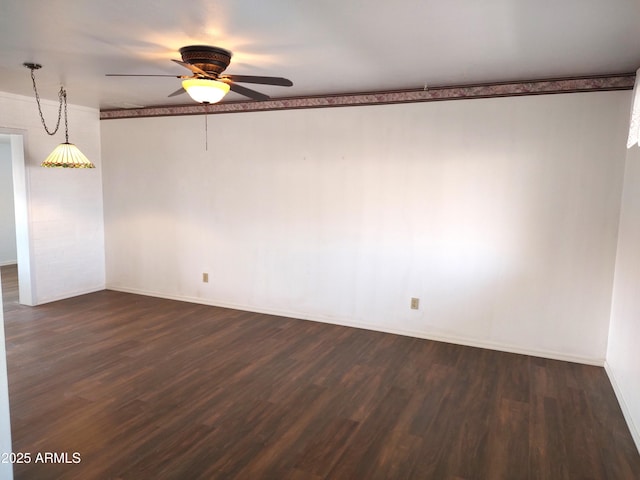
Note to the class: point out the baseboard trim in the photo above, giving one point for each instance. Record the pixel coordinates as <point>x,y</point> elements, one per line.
<point>42,301</point>
<point>635,433</point>
<point>8,262</point>
<point>347,322</point>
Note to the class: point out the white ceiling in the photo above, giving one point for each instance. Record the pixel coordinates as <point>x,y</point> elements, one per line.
<point>323,46</point>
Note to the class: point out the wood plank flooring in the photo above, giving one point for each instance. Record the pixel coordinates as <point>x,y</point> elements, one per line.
<point>146,388</point>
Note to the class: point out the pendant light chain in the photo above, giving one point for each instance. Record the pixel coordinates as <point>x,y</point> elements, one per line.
<point>63,92</point>
<point>62,98</point>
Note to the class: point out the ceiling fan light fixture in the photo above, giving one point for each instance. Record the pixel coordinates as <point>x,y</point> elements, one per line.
<point>203,90</point>
<point>67,155</point>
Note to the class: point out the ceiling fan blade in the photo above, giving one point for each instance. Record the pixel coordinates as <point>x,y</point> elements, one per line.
<point>193,68</point>
<point>180,91</point>
<point>139,75</point>
<point>282,82</point>
<point>247,92</point>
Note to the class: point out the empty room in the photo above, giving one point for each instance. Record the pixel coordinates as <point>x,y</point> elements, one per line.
<point>320,240</point>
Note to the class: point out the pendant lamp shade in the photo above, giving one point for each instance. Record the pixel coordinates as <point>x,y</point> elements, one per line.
<point>67,155</point>
<point>204,90</point>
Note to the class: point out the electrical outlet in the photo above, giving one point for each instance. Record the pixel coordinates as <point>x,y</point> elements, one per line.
<point>205,278</point>
<point>415,303</point>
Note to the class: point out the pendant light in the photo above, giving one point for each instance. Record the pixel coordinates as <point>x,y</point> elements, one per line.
<point>65,155</point>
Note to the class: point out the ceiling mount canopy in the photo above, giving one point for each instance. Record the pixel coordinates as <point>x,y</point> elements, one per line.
<point>206,58</point>
<point>65,155</point>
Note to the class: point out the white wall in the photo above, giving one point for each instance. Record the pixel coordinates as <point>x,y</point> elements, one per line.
<point>64,206</point>
<point>8,253</point>
<point>501,215</point>
<point>623,355</point>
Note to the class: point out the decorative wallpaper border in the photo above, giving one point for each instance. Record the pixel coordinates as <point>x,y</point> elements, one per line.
<point>506,89</point>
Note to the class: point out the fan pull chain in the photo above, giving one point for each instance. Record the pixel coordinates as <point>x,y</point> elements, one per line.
<point>206,132</point>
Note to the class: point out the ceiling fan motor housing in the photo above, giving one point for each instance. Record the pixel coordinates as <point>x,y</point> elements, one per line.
<point>210,59</point>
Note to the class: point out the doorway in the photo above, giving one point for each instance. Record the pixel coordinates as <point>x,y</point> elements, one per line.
<point>12,162</point>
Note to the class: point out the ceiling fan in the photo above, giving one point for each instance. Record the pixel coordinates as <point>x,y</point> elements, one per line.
<point>208,84</point>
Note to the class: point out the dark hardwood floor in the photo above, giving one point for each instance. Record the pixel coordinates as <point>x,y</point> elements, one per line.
<point>146,388</point>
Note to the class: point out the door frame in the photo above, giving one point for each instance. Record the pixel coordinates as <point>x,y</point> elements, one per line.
<point>21,198</point>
